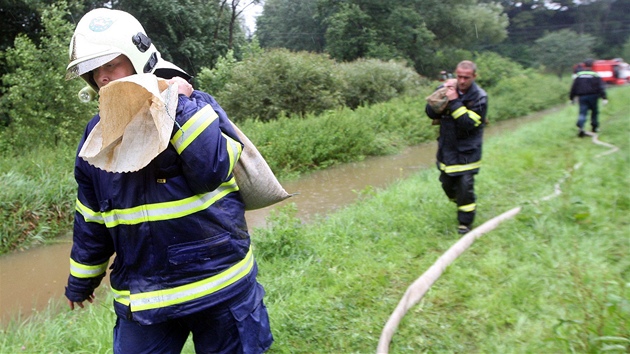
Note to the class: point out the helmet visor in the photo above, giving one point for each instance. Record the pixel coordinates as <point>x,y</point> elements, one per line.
<point>85,66</point>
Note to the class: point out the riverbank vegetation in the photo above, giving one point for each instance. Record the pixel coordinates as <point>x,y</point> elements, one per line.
<point>37,198</point>
<point>554,279</point>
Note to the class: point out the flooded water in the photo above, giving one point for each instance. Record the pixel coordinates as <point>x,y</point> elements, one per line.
<point>30,279</point>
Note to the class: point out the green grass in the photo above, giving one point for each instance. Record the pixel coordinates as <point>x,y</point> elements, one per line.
<point>37,196</point>
<point>554,279</point>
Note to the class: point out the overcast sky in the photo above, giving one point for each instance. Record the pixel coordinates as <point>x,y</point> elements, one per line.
<point>250,14</point>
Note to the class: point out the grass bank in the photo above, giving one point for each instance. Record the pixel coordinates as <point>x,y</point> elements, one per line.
<point>554,279</point>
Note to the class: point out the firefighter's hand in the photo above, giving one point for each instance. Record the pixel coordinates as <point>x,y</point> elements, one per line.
<point>183,86</point>
<point>71,303</point>
<point>605,102</point>
<point>451,89</point>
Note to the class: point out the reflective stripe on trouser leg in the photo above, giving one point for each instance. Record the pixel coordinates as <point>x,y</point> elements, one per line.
<point>466,199</point>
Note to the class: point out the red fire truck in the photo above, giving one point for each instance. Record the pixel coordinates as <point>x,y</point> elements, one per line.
<point>613,72</point>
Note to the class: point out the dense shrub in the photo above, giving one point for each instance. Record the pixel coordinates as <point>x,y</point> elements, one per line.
<point>369,81</point>
<point>214,80</point>
<point>41,107</point>
<point>524,93</point>
<point>493,68</point>
<point>280,83</point>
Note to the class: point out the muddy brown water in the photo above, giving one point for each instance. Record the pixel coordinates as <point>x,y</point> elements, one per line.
<point>30,279</point>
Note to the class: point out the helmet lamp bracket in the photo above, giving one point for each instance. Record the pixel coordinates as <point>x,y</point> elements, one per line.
<point>141,41</point>
<point>153,59</point>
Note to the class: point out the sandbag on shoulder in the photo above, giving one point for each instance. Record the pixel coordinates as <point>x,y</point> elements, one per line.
<point>438,100</point>
<point>258,185</point>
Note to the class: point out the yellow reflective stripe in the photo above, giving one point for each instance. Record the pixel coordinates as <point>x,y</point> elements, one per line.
<point>467,208</point>
<point>475,117</point>
<point>459,168</point>
<point>471,114</point>
<point>193,127</point>
<point>234,151</point>
<point>167,210</point>
<point>87,271</point>
<point>168,297</point>
<point>121,296</point>
<point>157,211</point>
<point>459,112</point>
<point>88,214</point>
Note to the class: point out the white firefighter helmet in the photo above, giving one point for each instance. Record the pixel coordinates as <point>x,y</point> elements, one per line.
<point>103,34</point>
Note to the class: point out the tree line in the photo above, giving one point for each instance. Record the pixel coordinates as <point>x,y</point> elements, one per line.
<point>430,34</point>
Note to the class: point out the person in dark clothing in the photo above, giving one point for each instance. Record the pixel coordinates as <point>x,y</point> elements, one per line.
<point>588,87</point>
<point>459,143</point>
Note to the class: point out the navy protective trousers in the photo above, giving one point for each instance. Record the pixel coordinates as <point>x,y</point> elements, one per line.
<point>588,103</point>
<point>241,327</point>
<point>461,190</point>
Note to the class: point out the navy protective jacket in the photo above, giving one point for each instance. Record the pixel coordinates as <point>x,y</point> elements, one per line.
<point>177,226</point>
<point>587,83</point>
<point>461,132</point>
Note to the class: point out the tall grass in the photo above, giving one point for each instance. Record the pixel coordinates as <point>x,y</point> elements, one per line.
<point>36,196</point>
<point>555,279</point>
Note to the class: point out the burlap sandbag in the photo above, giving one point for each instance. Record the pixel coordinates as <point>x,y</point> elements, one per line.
<point>258,185</point>
<point>438,100</point>
<point>136,120</point>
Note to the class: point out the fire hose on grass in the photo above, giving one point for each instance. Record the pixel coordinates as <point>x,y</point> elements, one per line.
<point>416,291</point>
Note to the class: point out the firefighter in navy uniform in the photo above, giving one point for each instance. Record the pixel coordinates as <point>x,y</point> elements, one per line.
<point>588,87</point>
<point>183,259</point>
<point>460,140</point>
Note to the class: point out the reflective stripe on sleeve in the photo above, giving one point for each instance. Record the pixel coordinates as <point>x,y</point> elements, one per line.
<point>87,271</point>
<point>467,208</point>
<point>168,297</point>
<point>460,168</point>
<point>193,128</point>
<point>88,214</point>
<point>234,151</point>
<point>459,112</point>
<point>471,114</point>
<point>157,211</point>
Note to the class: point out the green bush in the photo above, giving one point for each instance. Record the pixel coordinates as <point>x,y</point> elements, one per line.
<point>493,69</point>
<point>214,80</point>
<point>524,93</point>
<point>42,108</point>
<point>279,83</point>
<point>369,81</point>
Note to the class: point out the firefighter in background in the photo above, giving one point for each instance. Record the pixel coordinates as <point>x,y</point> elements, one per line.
<point>444,75</point>
<point>461,120</point>
<point>588,88</point>
<point>183,259</point>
